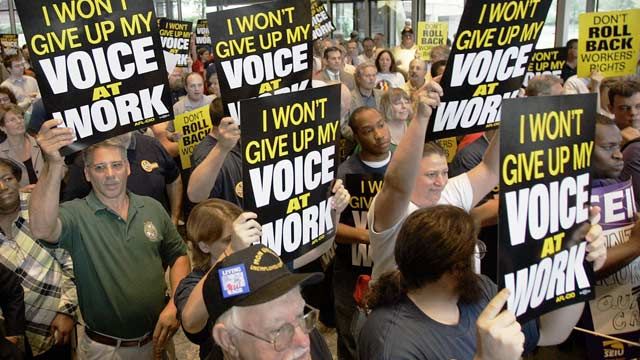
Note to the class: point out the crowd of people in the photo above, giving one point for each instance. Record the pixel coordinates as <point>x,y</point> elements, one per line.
<point>92,262</point>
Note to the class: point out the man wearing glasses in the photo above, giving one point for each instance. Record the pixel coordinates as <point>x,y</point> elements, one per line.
<point>258,308</point>
<point>120,243</point>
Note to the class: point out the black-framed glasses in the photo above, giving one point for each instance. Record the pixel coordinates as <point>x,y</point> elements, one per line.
<point>282,338</point>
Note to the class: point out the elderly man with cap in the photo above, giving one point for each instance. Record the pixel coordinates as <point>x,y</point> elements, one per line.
<point>258,308</point>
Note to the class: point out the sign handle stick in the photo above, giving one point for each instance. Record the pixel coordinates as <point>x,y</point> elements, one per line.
<point>607,336</point>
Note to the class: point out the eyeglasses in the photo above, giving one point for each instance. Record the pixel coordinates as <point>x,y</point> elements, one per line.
<point>282,338</point>
<point>102,167</point>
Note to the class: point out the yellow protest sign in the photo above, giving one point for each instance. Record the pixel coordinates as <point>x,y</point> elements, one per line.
<point>431,34</point>
<point>609,42</point>
<point>193,127</point>
<point>450,146</point>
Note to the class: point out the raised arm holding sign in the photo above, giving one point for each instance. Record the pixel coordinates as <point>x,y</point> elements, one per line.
<point>419,179</point>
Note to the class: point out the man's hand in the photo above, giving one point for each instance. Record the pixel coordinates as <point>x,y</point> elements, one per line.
<point>629,133</point>
<point>596,247</point>
<point>165,328</point>
<point>173,136</point>
<point>61,327</point>
<point>52,138</point>
<point>27,188</point>
<point>428,99</point>
<point>499,334</point>
<point>596,78</point>
<point>12,339</point>
<point>340,197</point>
<point>227,133</point>
<point>246,231</point>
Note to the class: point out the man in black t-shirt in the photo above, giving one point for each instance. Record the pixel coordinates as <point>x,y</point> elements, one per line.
<point>353,256</point>
<point>217,161</point>
<point>570,66</point>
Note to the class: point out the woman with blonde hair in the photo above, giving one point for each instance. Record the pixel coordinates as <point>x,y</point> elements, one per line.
<point>395,106</point>
<point>210,235</point>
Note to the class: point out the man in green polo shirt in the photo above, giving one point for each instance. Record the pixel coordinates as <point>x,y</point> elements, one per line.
<point>121,244</point>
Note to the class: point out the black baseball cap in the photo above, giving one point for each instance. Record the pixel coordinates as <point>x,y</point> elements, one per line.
<point>407,30</point>
<point>252,276</point>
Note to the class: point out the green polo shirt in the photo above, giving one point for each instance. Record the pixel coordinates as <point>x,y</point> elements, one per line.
<point>119,263</point>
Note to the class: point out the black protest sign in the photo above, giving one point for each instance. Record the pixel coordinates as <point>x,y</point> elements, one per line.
<point>362,188</point>
<point>613,310</point>
<point>99,64</point>
<point>289,161</point>
<point>9,44</point>
<point>488,63</point>
<point>175,36</point>
<point>203,38</point>
<point>320,20</point>
<point>545,158</point>
<point>261,49</point>
<point>546,62</point>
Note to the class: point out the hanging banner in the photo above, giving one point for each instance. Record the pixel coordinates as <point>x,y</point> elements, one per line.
<point>609,42</point>
<point>546,62</point>
<point>203,38</point>
<point>289,163</point>
<point>175,36</point>
<point>9,44</point>
<point>614,311</point>
<point>105,73</point>
<point>193,126</point>
<point>488,63</point>
<point>261,49</point>
<point>320,20</point>
<point>431,34</point>
<point>545,158</point>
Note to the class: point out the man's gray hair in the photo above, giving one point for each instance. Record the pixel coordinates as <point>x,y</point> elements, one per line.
<point>363,65</point>
<point>541,85</point>
<point>87,154</point>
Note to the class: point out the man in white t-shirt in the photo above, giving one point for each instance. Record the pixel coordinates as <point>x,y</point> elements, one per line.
<point>417,179</point>
<point>406,51</point>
